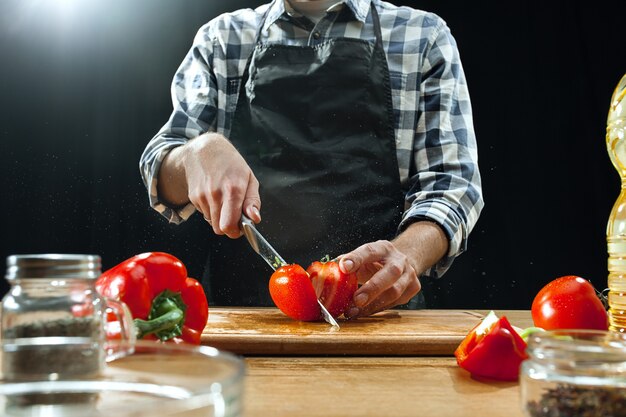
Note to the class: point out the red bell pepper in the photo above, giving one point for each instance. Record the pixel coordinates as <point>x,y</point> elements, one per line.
<point>164,302</point>
<point>492,349</point>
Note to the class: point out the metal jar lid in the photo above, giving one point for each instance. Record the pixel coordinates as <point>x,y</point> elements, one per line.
<point>53,265</point>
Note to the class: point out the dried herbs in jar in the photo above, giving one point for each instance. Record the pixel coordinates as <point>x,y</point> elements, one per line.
<point>567,400</point>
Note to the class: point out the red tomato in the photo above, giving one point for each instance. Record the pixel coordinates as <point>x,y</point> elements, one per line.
<point>569,302</point>
<point>333,288</point>
<point>492,349</point>
<point>293,293</point>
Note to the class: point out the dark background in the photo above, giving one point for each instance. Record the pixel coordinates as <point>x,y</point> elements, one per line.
<point>85,85</point>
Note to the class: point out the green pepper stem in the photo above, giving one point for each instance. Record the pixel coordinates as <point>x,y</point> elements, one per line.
<point>167,321</point>
<point>166,317</point>
<point>525,334</point>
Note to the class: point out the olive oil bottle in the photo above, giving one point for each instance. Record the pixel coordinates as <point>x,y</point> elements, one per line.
<point>616,227</point>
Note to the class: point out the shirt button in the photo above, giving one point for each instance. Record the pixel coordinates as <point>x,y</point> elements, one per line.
<point>316,35</point>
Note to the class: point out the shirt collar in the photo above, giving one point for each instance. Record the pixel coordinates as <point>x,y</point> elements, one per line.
<point>360,9</point>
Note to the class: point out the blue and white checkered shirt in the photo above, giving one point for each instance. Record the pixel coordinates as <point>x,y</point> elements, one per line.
<point>435,141</point>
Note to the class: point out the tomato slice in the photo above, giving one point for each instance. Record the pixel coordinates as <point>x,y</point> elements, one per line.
<point>334,288</point>
<point>492,349</point>
<point>292,292</point>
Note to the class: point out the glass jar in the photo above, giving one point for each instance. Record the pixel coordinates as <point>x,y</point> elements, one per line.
<point>159,379</point>
<point>574,373</point>
<point>52,301</point>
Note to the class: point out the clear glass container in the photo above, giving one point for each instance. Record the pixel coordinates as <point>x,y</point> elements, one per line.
<point>156,379</point>
<point>574,373</point>
<point>53,296</point>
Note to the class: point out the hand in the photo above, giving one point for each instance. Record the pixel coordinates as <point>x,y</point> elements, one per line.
<point>389,271</point>
<point>387,276</point>
<point>220,183</point>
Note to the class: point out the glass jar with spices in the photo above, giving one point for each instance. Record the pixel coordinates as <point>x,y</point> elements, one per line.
<point>574,373</point>
<point>54,322</point>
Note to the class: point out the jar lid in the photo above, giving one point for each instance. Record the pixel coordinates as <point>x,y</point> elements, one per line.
<point>53,265</point>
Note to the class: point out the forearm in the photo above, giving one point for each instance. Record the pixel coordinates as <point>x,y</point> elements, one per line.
<point>424,243</point>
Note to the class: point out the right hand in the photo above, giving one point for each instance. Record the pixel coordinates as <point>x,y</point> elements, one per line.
<point>220,183</point>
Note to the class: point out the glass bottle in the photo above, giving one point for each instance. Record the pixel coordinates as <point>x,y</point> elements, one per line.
<point>53,319</point>
<point>616,227</point>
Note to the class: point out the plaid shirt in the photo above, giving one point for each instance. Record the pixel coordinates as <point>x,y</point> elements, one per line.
<point>435,141</point>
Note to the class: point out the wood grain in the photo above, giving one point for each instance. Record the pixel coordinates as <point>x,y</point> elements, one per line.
<point>263,331</point>
<point>372,386</point>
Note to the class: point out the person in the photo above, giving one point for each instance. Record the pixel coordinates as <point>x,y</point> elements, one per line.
<point>340,128</point>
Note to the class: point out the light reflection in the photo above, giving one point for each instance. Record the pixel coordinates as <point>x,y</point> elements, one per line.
<point>22,14</point>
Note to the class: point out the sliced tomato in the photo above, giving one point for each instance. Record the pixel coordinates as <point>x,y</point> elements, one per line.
<point>334,288</point>
<point>292,292</point>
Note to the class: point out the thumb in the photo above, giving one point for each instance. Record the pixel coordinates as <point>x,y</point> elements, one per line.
<point>347,264</point>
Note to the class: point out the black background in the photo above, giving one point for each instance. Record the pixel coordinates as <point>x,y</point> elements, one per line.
<point>85,85</point>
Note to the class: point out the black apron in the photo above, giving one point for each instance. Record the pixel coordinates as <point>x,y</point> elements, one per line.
<point>315,124</point>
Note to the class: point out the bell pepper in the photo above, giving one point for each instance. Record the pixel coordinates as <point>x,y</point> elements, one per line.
<point>165,303</point>
<point>492,349</point>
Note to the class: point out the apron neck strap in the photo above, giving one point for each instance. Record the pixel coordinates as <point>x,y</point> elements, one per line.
<point>377,30</point>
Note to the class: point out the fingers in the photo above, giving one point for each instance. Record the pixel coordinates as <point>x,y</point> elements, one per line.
<point>392,284</point>
<point>399,293</point>
<point>201,203</point>
<point>366,254</point>
<point>221,185</point>
<point>252,200</point>
<point>230,215</point>
<point>233,199</point>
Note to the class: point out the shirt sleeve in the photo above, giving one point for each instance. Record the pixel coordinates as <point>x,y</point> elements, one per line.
<point>445,186</point>
<point>194,99</point>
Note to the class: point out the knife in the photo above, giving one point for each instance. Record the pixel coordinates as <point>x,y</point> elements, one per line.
<point>269,254</point>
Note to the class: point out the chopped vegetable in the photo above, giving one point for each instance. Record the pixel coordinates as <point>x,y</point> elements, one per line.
<point>334,288</point>
<point>292,292</point>
<point>492,349</point>
<point>295,291</point>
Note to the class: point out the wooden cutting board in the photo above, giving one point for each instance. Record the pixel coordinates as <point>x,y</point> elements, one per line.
<point>267,331</point>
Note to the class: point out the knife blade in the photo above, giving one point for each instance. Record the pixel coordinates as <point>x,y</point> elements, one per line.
<point>261,246</point>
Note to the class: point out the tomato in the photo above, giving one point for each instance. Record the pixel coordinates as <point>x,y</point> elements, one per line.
<point>569,302</point>
<point>333,288</point>
<point>492,349</point>
<point>296,291</point>
<point>292,292</point>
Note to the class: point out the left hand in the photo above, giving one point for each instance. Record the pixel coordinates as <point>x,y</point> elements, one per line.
<point>387,276</point>
<point>390,271</point>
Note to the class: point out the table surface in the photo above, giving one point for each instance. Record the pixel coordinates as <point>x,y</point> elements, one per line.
<point>372,386</point>
<point>335,385</point>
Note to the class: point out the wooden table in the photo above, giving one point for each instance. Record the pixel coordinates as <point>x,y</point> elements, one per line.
<point>296,380</point>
